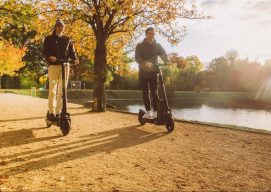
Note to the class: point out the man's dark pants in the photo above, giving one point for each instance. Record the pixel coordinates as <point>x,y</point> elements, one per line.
<point>149,81</point>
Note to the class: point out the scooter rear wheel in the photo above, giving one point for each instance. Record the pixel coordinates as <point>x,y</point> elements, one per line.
<point>169,123</point>
<point>140,117</point>
<point>48,124</point>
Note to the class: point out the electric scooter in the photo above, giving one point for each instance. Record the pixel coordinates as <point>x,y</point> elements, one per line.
<point>164,115</point>
<point>64,120</point>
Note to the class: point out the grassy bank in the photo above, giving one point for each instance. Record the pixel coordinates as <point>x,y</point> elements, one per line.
<point>214,95</point>
<point>136,94</point>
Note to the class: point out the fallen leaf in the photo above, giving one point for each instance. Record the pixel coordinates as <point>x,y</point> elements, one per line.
<point>21,159</point>
<point>4,176</point>
<point>116,190</point>
<point>3,163</point>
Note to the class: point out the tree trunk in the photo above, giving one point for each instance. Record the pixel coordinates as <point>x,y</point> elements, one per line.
<point>99,77</point>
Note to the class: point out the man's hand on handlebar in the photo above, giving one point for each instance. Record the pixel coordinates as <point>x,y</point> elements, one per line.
<point>168,63</point>
<point>148,65</point>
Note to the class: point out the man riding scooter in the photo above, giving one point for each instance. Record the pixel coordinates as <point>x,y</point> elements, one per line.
<point>146,55</point>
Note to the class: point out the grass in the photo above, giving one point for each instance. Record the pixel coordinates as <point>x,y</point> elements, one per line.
<point>214,95</point>
<point>137,94</point>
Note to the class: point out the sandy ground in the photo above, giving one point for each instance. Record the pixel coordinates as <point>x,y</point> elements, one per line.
<point>111,152</point>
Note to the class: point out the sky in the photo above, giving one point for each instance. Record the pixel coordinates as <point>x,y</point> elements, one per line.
<point>242,25</point>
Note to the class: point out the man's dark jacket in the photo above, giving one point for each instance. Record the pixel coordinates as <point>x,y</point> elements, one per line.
<point>146,52</point>
<point>59,46</point>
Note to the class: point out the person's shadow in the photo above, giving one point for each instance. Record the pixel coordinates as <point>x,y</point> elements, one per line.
<point>88,145</point>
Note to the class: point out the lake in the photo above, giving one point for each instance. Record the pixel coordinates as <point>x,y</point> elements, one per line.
<point>248,113</point>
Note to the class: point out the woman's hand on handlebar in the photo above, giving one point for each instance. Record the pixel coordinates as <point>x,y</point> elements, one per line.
<point>52,58</point>
<point>75,62</point>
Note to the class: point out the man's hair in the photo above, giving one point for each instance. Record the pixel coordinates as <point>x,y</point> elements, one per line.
<point>149,29</point>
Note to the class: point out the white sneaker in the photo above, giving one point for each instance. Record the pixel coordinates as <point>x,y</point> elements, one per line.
<point>147,115</point>
<point>154,114</point>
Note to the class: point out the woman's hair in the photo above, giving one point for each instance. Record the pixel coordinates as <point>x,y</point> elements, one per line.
<point>54,32</point>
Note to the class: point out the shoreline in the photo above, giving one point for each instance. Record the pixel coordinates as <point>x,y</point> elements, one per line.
<point>218,125</point>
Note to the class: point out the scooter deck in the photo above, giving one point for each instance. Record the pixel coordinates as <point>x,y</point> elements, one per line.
<point>49,123</point>
<point>152,121</point>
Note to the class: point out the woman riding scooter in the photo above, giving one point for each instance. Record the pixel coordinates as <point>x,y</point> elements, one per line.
<point>57,47</point>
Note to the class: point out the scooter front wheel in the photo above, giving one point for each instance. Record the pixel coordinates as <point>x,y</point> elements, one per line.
<point>65,127</point>
<point>169,122</point>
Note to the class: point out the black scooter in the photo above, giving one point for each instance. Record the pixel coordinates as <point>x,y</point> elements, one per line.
<point>64,120</point>
<point>164,115</point>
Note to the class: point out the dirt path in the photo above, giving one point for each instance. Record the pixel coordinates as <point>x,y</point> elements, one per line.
<point>111,152</point>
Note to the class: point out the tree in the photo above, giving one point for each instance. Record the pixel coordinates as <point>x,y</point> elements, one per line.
<point>187,78</point>
<point>34,62</point>
<point>17,31</point>
<point>169,75</point>
<point>230,73</point>
<point>10,58</point>
<point>115,22</point>
<point>193,64</point>
<point>231,56</point>
<point>221,72</point>
<point>176,59</point>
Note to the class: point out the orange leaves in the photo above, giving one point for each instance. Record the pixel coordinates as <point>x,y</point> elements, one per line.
<point>10,58</point>
<point>43,79</point>
<point>180,61</point>
<point>117,21</point>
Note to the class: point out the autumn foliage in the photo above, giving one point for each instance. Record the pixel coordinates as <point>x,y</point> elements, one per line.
<point>10,58</point>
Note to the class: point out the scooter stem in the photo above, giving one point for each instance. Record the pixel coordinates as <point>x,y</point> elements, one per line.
<point>64,92</point>
<point>164,94</point>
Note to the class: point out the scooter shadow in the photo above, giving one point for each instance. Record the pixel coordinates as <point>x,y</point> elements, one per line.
<point>86,146</point>
<point>41,117</point>
<point>21,137</point>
